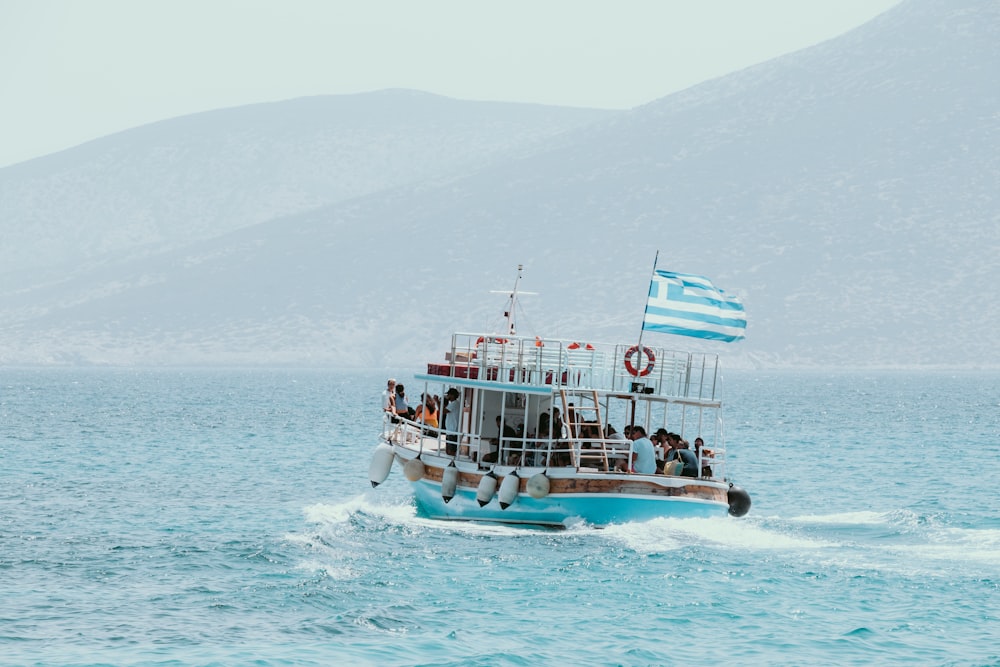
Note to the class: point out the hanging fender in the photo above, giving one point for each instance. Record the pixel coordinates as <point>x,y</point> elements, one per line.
<point>538,485</point>
<point>413,470</point>
<point>487,487</point>
<point>739,500</point>
<point>381,464</point>
<point>449,480</point>
<point>509,487</point>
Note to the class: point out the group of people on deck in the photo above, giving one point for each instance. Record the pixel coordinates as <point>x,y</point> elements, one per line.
<point>643,459</point>
<point>675,448</point>
<point>427,412</point>
<point>394,402</point>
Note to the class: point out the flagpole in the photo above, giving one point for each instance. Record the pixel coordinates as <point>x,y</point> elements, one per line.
<point>646,304</point>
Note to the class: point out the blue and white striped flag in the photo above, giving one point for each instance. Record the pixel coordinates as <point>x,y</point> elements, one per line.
<point>688,305</point>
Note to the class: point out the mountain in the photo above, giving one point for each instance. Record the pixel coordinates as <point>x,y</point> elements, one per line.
<point>847,192</point>
<point>196,177</point>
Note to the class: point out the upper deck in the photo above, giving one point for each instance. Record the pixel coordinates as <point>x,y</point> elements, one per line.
<point>514,363</point>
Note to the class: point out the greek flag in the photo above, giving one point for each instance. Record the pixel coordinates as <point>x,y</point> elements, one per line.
<point>688,305</point>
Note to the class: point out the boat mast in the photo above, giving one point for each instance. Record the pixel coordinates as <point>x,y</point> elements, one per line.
<point>512,303</point>
<point>508,313</point>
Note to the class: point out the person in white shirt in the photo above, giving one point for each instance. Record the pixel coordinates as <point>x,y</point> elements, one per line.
<point>452,412</point>
<point>389,397</point>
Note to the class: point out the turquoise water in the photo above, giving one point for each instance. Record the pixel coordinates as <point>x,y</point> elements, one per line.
<point>225,517</point>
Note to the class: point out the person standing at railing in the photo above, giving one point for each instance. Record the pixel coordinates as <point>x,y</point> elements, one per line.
<point>389,397</point>
<point>452,419</point>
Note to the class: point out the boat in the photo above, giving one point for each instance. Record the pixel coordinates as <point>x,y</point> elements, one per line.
<point>531,437</point>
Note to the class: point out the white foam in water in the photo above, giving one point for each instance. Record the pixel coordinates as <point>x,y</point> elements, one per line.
<point>844,518</point>
<point>327,567</point>
<point>342,512</point>
<point>401,514</point>
<point>333,562</point>
<point>951,548</point>
<point>669,534</point>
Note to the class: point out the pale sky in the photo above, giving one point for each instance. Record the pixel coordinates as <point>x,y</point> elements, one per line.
<point>71,71</point>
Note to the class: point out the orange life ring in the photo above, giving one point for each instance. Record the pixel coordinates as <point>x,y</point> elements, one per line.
<point>491,339</point>
<point>632,370</point>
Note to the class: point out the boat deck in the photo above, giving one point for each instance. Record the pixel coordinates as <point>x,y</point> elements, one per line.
<point>524,363</point>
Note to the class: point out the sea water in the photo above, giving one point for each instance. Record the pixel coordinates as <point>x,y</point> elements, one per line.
<point>197,517</point>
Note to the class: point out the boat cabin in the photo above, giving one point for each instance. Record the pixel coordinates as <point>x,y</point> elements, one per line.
<point>528,402</point>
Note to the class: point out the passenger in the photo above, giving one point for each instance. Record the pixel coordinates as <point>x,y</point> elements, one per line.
<point>702,453</point>
<point>452,420</point>
<point>661,446</point>
<point>615,435</point>
<point>680,451</point>
<point>590,435</point>
<point>560,448</point>
<point>403,408</point>
<point>643,459</point>
<point>543,425</point>
<point>504,432</point>
<point>558,427</point>
<point>389,397</point>
<point>427,412</point>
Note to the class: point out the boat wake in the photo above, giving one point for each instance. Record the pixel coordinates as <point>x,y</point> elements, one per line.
<point>898,541</point>
<point>355,519</point>
<point>667,534</point>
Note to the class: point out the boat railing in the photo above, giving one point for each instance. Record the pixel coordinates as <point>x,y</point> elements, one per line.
<point>514,360</point>
<point>583,454</point>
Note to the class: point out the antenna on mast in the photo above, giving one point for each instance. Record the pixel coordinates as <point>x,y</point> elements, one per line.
<point>512,295</point>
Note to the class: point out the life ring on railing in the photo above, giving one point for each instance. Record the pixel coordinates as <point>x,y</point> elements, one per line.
<point>481,340</point>
<point>577,346</point>
<point>632,370</point>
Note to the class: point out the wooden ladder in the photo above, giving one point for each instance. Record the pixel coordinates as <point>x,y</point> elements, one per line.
<point>575,417</point>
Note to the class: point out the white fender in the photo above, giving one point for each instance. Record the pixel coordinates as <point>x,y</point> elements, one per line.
<point>449,480</point>
<point>538,485</point>
<point>509,487</point>
<point>381,464</point>
<point>414,470</point>
<point>487,487</point>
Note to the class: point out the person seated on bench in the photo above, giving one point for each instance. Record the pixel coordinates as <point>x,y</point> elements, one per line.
<point>427,412</point>
<point>504,432</point>
<point>643,458</point>
<point>679,450</point>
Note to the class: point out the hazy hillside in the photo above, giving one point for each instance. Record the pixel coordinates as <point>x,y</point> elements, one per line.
<point>848,192</point>
<point>200,176</point>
